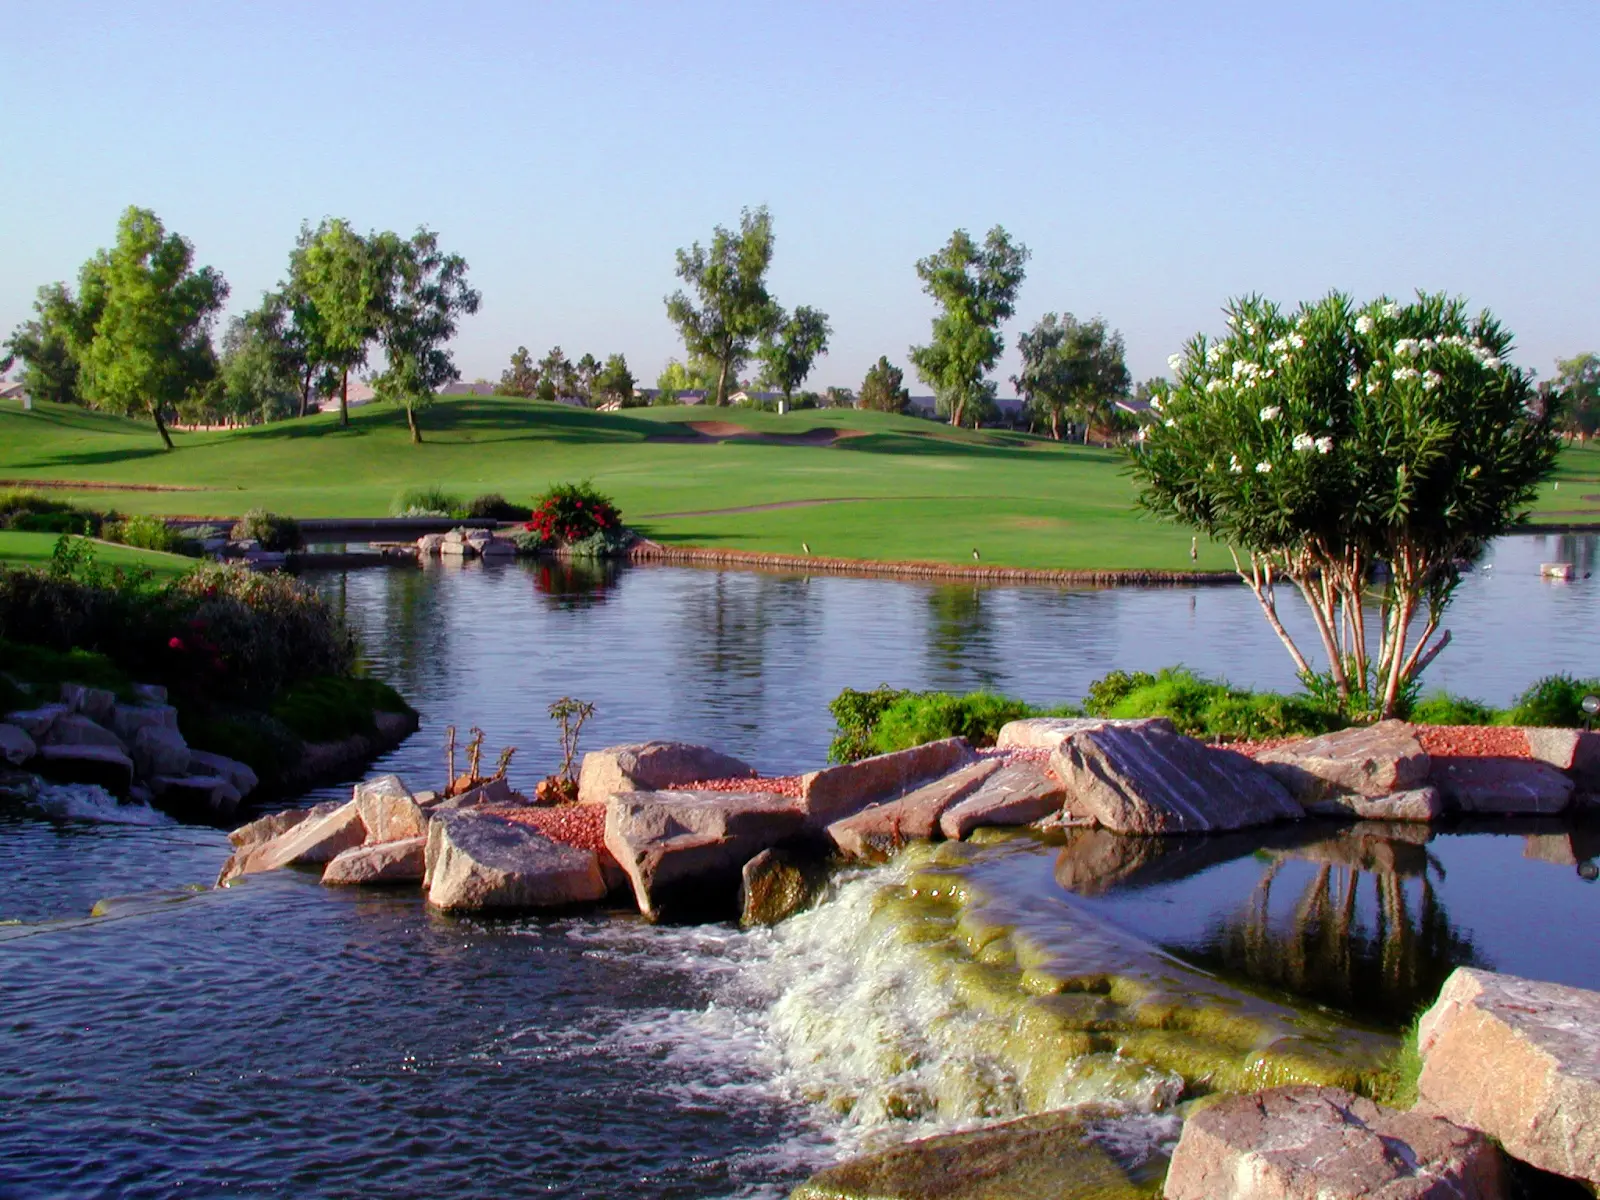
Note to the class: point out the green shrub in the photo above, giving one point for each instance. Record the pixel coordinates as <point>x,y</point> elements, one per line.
<point>146,533</point>
<point>330,707</point>
<point>602,543</point>
<point>855,716</point>
<point>920,717</point>
<point>262,743</point>
<point>431,501</point>
<point>1206,708</point>
<point>31,512</point>
<point>271,531</point>
<point>492,505</point>
<point>1555,700</point>
<point>527,541</point>
<point>40,665</point>
<point>1442,708</point>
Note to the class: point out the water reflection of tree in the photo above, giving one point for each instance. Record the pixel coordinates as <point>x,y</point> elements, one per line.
<point>574,583</point>
<point>1384,961</point>
<point>962,649</point>
<point>398,617</point>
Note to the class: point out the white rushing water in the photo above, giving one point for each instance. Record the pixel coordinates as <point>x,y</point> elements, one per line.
<point>87,802</point>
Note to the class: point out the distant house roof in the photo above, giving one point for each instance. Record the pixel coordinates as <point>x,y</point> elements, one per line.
<point>360,392</point>
<point>460,387</point>
<point>13,391</point>
<point>693,396</point>
<point>1137,407</point>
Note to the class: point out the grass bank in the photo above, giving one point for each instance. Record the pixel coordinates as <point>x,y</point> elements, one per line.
<point>35,549</point>
<point>846,484</point>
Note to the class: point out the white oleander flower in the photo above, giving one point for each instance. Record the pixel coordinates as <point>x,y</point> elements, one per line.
<point>1214,353</point>
<point>1401,374</point>
<point>1216,385</point>
<point>1324,445</point>
<point>1175,363</point>
<point>1271,412</point>
<point>1233,465</point>
<point>1353,382</point>
<point>1263,468</point>
<point>1364,324</point>
<point>1170,423</point>
<point>1493,363</point>
<point>1391,310</point>
<point>1407,347</point>
<point>1431,380</point>
<point>1298,342</point>
<point>1373,385</point>
<point>1303,442</point>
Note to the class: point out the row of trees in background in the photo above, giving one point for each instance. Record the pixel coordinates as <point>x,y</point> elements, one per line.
<point>555,376</point>
<point>136,338</point>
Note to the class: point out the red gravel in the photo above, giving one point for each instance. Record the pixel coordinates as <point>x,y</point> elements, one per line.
<point>782,785</point>
<point>1497,741</point>
<point>580,825</point>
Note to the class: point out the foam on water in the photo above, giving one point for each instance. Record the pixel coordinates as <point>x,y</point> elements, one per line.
<point>88,802</point>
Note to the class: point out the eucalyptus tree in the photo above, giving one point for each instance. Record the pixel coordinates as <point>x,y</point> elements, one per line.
<point>557,376</point>
<point>791,347</point>
<point>976,290</point>
<point>732,309</point>
<point>263,363</point>
<point>151,342</point>
<point>48,344</point>
<point>521,378</point>
<point>1323,442</point>
<point>1072,368</point>
<point>883,388</point>
<point>1576,388</point>
<point>614,382</point>
<point>584,373</point>
<point>423,296</point>
<point>337,285</point>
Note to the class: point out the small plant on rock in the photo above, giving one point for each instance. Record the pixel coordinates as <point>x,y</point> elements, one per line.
<point>562,787</point>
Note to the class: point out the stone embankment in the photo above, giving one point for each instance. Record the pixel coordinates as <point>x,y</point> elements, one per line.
<point>682,832</point>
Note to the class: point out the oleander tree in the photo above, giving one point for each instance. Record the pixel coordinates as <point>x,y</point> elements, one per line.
<point>1361,454</point>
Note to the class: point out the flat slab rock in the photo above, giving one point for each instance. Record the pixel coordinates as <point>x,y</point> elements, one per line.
<point>1502,785</point>
<point>1046,733</point>
<point>400,861</point>
<point>1520,1060</point>
<point>1421,804</point>
<point>1150,781</point>
<point>1020,793</point>
<point>684,851</point>
<point>836,792</point>
<point>1309,1143</point>
<point>879,830</point>
<point>477,861</point>
<point>16,747</point>
<point>1574,751</point>
<point>1371,761</point>
<point>1043,1157</point>
<point>105,766</point>
<point>651,767</point>
<point>311,841</point>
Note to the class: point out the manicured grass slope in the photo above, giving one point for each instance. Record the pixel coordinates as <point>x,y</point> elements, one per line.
<point>34,550</point>
<point>900,489</point>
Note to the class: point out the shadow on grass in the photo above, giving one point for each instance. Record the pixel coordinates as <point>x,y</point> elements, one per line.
<point>92,458</point>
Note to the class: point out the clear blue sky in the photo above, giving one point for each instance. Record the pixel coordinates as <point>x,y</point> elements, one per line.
<point>1156,158</point>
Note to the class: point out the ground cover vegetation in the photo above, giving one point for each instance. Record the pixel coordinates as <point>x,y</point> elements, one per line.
<point>1351,452</point>
<point>255,663</point>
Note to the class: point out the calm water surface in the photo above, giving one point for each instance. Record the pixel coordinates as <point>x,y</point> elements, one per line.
<point>278,1036</point>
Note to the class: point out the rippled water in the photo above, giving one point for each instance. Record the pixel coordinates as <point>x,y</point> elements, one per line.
<point>280,1036</point>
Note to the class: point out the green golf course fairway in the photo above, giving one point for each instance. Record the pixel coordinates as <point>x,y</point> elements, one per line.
<point>851,484</point>
<point>35,549</point>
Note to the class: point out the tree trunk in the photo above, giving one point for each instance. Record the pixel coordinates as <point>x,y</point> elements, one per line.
<point>722,384</point>
<point>161,426</point>
<point>344,398</point>
<point>1055,424</point>
<point>411,420</point>
<point>957,406</point>
<point>305,391</point>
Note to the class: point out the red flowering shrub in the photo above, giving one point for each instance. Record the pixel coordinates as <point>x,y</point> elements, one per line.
<point>571,512</point>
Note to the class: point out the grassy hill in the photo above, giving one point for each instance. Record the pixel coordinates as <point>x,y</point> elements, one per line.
<point>850,484</point>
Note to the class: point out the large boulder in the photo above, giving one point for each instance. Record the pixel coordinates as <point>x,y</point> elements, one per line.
<point>237,773</point>
<point>75,729</point>
<point>1020,793</point>
<point>1151,781</point>
<point>1575,751</point>
<point>16,747</point>
<point>36,722</point>
<point>310,842</point>
<point>879,830</point>
<point>1044,1157</point>
<point>128,719</point>
<point>388,810</point>
<point>400,861</point>
<point>158,750</point>
<point>1046,733</point>
<point>103,766</point>
<point>264,829</point>
<point>203,799</point>
<point>1520,1060</point>
<point>684,851</point>
<point>1311,1143</point>
<point>1416,804</point>
<point>776,884</point>
<point>148,693</point>
<point>487,794</point>
<point>1371,761</point>
<point>836,792</point>
<point>94,703</point>
<point>653,767</point>
<point>1519,786</point>
<point>478,861</point>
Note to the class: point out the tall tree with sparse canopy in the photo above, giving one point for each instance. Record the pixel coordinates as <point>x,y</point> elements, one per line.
<point>521,378</point>
<point>790,348</point>
<point>976,290</point>
<point>341,279</point>
<point>423,297</point>
<point>151,344</point>
<point>1322,442</point>
<point>1072,368</point>
<point>883,388</point>
<point>48,345</point>
<point>734,309</point>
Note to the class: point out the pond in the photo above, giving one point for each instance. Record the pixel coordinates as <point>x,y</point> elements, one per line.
<point>279,1036</point>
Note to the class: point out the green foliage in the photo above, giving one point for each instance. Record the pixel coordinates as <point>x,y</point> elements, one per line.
<point>521,378</point>
<point>146,533</point>
<point>921,717</point>
<point>976,290</point>
<point>1555,700</point>
<point>573,514</point>
<point>1395,1083</point>
<point>263,365</point>
<point>1072,369</point>
<point>1205,708</point>
<point>48,668</point>
<point>855,716</point>
<point>331,706</point>
<point>613,382</point>
<point>31,512</point>
<point>883,389</point>
<point>1576,391</point>
<point>791,346</point>
<point>1325,441</point>
<point>270,530</point>
<point>261,742</point>
<point>527,541</point>
<point>493,505</point>
<point>734,308</point>
<point>338,284</point>
<point>1442,708</point>
<point>430,501</point>
<point>51,343</point>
